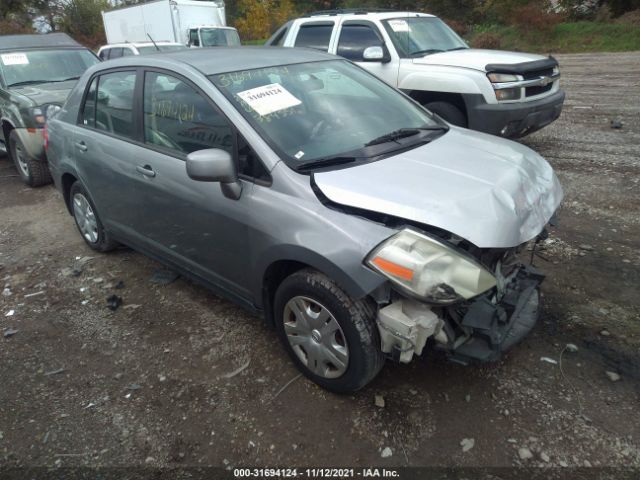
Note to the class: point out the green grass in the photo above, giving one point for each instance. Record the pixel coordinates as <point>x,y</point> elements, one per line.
<point>253,42</point>
<point>573,37</point>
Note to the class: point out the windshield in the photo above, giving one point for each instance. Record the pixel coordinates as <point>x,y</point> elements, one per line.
<point>326,110</point>
<point>419,36</point>
<point>42,66</point>
<point>215,37</point>
<point>163,48</point>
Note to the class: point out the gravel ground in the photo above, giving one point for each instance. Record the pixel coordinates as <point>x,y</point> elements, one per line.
<point>159,381</point>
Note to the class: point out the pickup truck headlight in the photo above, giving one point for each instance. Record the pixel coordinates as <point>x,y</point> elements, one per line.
<point>503,92</point>
<point>429,269</point>
<point>44,112</point>
<point>503,77</point>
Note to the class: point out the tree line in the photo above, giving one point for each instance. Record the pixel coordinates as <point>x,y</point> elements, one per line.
<point>257,19</point>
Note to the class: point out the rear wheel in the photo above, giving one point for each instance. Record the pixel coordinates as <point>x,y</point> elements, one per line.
<point>32,172</point>
<point>87,220</point>
<point>449,112</point>
<point>331,337</point>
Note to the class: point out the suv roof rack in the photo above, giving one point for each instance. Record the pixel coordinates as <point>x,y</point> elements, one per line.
<point>352,11</point>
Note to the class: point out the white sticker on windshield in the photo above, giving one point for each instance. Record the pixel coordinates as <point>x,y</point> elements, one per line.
<point>14,59</point>
<point>299,155</point>
<point>269,98</point>
<point>399,25</point>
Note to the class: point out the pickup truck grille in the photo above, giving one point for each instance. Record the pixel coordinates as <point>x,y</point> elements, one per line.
<point>538,90</point>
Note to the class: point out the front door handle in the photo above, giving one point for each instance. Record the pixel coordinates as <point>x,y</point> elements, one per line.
<point>146,170</point>
<point>81,146</point>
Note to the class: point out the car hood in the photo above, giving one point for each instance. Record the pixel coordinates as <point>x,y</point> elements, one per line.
<point>43,93</point>
<point>476,58</point>
<point>493,192</point>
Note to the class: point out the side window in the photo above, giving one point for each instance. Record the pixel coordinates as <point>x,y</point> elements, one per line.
<point>115,53</point>
<point>314,35</point>
<point>354,39</point>
<point>127,52</point>
<point>193,38</point>
<point>88,117</point>
<point>178,117</point>
<point>104,54</point>
<point>114,103</point>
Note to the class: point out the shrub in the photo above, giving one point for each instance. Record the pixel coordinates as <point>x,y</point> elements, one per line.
<point>603,14</point>
<point>488,40</point>
<point>630,18</point>
<point>459,27</point>
<point>533,18</point>
<point>13,26</point>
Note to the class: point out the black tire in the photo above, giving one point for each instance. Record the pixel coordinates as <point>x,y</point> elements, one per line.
<point>449,112</point>
<point>33,172</point>
<point>102,242</point>
<point>356,319</point>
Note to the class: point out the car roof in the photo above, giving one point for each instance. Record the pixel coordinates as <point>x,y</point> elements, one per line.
<point>364,14</point>
<point>42,40</point>
<point>214,60</point>
<point>140,44</point>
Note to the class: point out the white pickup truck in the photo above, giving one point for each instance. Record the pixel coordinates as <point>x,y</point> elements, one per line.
<point>503,93</point>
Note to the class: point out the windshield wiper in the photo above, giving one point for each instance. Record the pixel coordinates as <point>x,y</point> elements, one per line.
<point>428,51</point>
<point>66,79</point>
<point>33,82</point>
<point>27,82</point>
<point>402,133</point>
<point>457,48</point>
<point>325,162</point>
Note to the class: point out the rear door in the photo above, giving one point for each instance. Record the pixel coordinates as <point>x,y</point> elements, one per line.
<point>317,34</point>
<point>104,145</point>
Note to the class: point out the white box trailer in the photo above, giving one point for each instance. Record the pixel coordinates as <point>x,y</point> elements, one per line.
<point>191,22</point>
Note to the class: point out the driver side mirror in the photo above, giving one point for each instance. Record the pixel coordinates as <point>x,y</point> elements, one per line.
<point>215,165</point>
<point>376,54</point>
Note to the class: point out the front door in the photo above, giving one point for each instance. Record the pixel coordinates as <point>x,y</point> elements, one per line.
<point>190,222</point>
<point>354,38</point>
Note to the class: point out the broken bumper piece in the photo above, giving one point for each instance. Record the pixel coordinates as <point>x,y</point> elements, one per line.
<point>494,328</point>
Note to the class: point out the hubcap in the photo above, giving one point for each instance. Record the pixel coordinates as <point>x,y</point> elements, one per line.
<point>22,164</point>
<point>316,337</point>
<point>85,218</point>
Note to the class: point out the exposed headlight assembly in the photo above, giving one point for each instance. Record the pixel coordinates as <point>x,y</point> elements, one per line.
<point>428,269</point>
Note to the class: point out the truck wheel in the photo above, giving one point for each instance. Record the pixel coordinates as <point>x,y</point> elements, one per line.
<point>32,172</point>
<point>449,112</point>
<point>332,338</point>
<point>87,220</point>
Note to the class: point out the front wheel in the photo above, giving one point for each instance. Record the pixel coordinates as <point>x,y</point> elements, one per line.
<point>449,112</point>
<point>32,172</point>
<point>332,338</point>
<point>87,220</point>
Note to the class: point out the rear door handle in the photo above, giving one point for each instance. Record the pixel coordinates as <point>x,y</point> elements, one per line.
<point>146,170</point>
<point>82,146</point>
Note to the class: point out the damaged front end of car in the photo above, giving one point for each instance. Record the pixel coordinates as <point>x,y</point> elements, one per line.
<point>473,304</point>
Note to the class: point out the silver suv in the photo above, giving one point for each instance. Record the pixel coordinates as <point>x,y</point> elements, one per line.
<point>301,186</point>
